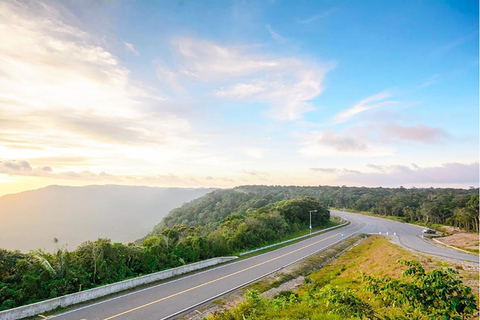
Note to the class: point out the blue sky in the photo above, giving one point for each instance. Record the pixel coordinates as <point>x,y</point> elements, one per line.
<point>226,93</point>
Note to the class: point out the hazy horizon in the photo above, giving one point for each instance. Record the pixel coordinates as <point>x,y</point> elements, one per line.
<point>30,220</point>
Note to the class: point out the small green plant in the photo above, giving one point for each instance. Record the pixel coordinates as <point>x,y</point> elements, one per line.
<point>439,294</point>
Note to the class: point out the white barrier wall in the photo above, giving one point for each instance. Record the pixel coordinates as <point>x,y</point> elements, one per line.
<point>78,297</point>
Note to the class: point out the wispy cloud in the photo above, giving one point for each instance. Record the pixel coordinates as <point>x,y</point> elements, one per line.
<point>454,44</point>
<point>285,84</point>
<point>369,140</point>
<point>331,142</point>
<point>241,90</point>
<point>264,176</point>
<point>418,133</point>
<point>68,93</point>
<point>335,171</point>
<point>275,35</point>
<point>449,174</point>
<point>433,79</point>
<point>318,16</point>
<point>130,48</point>
<point>372,102</point>
<point>254,152</point>
<point>209,61</point>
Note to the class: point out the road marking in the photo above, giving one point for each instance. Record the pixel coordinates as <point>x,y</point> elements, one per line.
<point>42,316</point>
<point>218,279</point>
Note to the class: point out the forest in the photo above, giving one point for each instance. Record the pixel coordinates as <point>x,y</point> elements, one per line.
<point>455,207</point>
<point>223,222</point>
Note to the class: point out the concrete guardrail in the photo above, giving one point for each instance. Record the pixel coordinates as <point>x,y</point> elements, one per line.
<point>90,294</point>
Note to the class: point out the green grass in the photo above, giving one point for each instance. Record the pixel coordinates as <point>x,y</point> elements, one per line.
<point>375,256</point>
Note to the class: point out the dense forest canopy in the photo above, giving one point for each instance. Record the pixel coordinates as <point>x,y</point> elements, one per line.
<point>456,207</point>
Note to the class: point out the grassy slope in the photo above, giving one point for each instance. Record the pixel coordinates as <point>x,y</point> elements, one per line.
<point>374,256</point>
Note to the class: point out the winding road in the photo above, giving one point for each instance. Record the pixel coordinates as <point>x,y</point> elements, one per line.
<point>170,299</point>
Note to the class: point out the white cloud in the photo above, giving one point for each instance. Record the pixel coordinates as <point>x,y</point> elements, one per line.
<point>275,35</point>
<point>448,174</point>
<point>331,142</point>
<point>254,152</point>
<point>66,95</point>
<point>130,47</point>
<point>363,106</point>
<point>317,16</point>
<point>286,85</point>
<point>417,133</point>
<point>240,90</point>
<point>168,78</point>
<point>208,61</point>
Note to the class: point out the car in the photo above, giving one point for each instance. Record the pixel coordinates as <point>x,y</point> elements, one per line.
<point>429,231</point>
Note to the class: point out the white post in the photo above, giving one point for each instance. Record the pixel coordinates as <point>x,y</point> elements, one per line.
<point>311,219</point>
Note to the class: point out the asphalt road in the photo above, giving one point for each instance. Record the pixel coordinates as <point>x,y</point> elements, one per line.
<point>172,298</point>
<point>169,299</point>
<point>407,235</point>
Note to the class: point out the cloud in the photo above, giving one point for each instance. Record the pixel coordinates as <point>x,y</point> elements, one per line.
<point>418,133</point>
<point>330,142</point>
<point>169,78</point>
<point>377,167</point>
<point>275,35</point>
<point>240,90</point>
<point>209,61</point>
<point>433,79</point>
<point>449,174</point>
<point>285,84</point>
<point>130,48</point>
<point>257,174</point>
<point>369,103</point>
<point>66,92</point>
<point>24,168</point>
<point>335,170</point>
<point>14,166</point>
<point>318,16</point>
<point>254,152</point>
<point>454,44</point>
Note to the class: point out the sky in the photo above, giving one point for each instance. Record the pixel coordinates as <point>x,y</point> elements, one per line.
<point>227,93</point>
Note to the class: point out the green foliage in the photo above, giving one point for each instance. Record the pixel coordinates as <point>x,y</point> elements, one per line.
<point>456,207</point>
<point>439,294</point>
<point>27,278</point>
<point>344,301</point>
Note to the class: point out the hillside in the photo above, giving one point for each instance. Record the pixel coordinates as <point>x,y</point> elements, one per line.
<point>30,220</point>
<point>456,207</point>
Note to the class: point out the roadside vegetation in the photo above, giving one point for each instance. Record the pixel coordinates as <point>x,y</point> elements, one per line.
<point>374,280</point>
<point>38,275</point>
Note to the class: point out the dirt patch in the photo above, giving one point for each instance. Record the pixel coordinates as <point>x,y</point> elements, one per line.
<point>291,285</point>
<point>452,230</point>
<point>463,240</point>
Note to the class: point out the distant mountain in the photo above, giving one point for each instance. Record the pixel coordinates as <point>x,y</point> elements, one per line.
<point>31,220</point>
